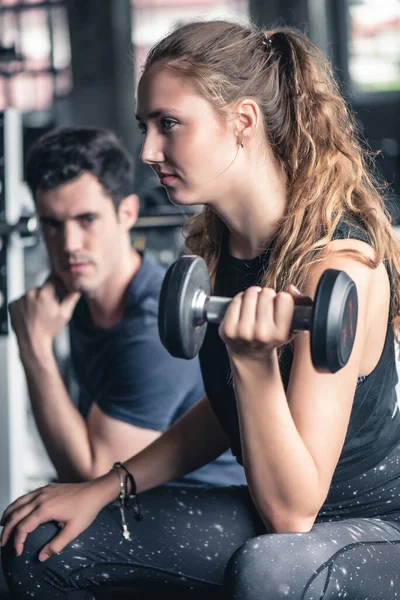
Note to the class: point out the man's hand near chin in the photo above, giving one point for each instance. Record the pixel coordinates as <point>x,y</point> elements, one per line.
<point>40,314</point>
<point>37,317</point>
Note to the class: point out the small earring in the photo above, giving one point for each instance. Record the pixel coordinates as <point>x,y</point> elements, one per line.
<point>241,144</point>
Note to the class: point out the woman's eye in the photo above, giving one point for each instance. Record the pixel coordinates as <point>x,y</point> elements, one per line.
<point>142,128</point>
<point>168,124</point>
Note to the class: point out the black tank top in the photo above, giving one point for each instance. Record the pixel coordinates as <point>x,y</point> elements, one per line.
<point>374,426</point>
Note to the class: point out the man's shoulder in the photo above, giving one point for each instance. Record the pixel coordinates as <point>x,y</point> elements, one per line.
<point>141,308</point>
<point>148,279</point>
<point>144,290</point>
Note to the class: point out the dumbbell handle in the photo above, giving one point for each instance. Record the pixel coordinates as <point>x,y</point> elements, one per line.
<point>212,309</point>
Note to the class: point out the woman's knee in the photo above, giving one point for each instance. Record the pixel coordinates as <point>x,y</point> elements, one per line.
<point>272,567</point>
<point>247,568</point>
<point>20,571</point>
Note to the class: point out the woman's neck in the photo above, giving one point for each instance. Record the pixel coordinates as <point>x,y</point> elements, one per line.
<point>256,205</point>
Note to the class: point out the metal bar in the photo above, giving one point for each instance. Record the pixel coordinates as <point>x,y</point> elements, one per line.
<point>49,18</point>
<point>10,74</point>
<point>28,224</point>
<point>3,246</point>
<point>302,317</point>
<point>216,308</point>
<point>160,222</point>
<point>13,394</point>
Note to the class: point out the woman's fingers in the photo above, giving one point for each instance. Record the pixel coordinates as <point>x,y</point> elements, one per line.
<point>246,325</point>
<point>37,517</point>
<point>299,298</point>
<point>58,543</point>
<point>18,503</point>
<point>24,525</point>
<point>55,502</point>
<point>283,316</point>
<point>21,531</point>
<point>17,516</point>
<point>264,317</point>
<point>227,328</point>
<point>259,316</point>
<point>31,522</point>
<point>17,511</point>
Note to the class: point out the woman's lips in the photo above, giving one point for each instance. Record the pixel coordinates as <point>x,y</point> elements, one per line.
<point>167,179</point>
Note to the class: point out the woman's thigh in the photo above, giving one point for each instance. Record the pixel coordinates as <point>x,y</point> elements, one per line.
<point>186,538</point>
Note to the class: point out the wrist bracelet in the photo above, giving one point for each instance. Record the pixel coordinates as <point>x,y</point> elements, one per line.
<point>120,502</point>
<point>132,495</point>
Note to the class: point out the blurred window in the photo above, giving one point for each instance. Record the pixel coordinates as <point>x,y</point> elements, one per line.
<point>374,45</point>
<point>152,19</point>
<point>35,54</point>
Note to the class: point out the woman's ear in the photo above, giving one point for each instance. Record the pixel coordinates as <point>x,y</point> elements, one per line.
<point>128,211</point>
<point>248,117</point>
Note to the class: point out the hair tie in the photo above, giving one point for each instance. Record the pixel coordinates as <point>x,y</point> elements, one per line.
<point>266,41</point>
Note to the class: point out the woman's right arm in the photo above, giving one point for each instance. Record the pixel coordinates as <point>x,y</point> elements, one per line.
<point>191,442</point>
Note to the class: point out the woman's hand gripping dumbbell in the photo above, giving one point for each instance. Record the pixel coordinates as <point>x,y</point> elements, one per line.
<point>186,307</point>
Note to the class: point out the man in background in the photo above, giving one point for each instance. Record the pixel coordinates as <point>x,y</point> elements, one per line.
<point>130,388</point>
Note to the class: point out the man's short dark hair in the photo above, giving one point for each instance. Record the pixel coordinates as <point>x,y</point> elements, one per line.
<point>66,153</point>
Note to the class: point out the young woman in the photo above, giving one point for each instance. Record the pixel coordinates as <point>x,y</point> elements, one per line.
<point>251,125</point>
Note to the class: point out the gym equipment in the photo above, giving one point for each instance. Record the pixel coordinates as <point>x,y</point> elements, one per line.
<point>13,394</point>
<point>186,308</point>
<point>27,226</point>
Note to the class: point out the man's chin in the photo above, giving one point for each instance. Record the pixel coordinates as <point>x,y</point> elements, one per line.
<point>76,284</point>
<point>83,287</point>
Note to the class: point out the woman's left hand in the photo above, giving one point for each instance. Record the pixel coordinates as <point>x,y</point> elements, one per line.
<point>57,502</point>
<point>258,321</point>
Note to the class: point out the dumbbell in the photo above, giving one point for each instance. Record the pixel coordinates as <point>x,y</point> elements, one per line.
<point>186,308</point>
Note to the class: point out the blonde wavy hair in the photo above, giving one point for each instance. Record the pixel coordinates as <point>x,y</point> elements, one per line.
<point>329,174</point>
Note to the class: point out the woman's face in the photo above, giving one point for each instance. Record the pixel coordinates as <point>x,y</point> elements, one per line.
<point>187,142</point>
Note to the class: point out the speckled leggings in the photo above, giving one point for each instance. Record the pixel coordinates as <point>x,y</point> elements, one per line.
<point>210,543</point>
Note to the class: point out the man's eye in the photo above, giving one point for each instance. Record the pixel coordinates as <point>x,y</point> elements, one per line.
<point>88,219</point>
<point>142,128</point>
<point>50,225</point>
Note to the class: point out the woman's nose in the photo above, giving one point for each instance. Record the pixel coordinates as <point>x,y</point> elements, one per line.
<point>152,151</point>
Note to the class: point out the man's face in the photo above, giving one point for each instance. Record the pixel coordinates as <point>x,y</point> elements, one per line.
<point>82,232</point>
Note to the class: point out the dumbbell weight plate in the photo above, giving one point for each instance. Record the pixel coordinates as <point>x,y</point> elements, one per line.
<point>181,284</point>
<point>334,321</point>
<point>332,324</point>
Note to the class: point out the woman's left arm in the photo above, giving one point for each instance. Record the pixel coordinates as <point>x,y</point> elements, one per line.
<point>291,442</point>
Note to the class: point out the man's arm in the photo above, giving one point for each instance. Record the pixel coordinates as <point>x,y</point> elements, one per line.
<point>77,449</point>
<point>145,390</point>
<point>62,428</point>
